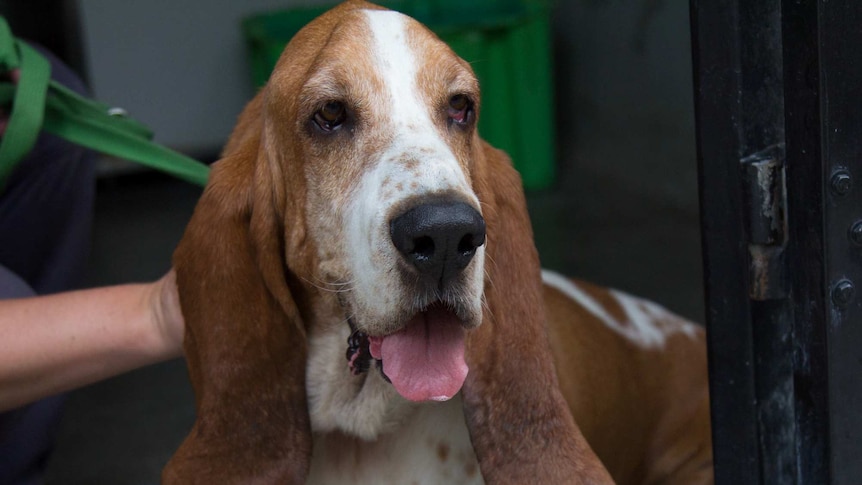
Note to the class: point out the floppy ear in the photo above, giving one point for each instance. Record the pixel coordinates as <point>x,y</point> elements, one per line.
<point>520,425</point>
<point>244,343</point>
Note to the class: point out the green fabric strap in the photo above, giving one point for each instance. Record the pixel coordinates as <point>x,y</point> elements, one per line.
<point>26,115</point>
<point>39,103</point>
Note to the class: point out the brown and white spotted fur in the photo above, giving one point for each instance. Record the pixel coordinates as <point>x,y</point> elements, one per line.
<point>290,251</point>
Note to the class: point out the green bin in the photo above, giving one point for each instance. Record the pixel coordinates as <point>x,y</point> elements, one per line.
<point>507,43</point>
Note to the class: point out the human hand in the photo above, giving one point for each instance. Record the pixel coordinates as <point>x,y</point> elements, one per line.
<point>167,314</point>
<point>57,342</point>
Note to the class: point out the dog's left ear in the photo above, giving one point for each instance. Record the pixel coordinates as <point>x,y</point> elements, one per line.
<point>245,341</point>
<point>519,423</point>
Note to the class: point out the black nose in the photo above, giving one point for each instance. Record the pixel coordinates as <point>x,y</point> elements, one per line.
<point>439,239</point>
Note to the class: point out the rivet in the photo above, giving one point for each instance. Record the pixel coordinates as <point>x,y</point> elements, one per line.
<point>855,233</point>
<point>841,182</point>
<point>842,293</point>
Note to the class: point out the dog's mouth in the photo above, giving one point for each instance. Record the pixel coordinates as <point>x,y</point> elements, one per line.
<point>424,360</point>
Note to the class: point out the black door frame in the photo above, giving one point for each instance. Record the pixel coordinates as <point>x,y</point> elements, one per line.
<point>778,100</point>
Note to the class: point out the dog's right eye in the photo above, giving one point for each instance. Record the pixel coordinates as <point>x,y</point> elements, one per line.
<point>331,116</point>
<point>460,110</point>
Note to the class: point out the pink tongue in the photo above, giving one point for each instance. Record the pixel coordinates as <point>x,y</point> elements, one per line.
<point>425,360</point>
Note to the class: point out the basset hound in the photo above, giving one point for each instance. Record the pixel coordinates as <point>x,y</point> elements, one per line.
<point>364,302</point>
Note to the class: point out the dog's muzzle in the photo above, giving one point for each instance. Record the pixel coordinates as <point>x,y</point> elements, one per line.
<point>424,358</point>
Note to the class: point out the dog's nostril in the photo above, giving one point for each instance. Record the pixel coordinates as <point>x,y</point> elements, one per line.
<point>468,244</point>
<point>423,247</point>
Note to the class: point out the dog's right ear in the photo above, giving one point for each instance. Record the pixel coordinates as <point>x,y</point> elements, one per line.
<point>520,425</point>
<point>244,341</point>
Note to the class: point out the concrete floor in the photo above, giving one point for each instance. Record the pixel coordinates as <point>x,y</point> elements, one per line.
<point>124,430</point>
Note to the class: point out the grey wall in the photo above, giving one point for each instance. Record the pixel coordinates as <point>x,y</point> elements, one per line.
<point>177,65</point>
<point>625,94</point>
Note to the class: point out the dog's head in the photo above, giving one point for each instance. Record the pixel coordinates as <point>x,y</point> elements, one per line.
<point>373,119</point>
<point>356,186</point>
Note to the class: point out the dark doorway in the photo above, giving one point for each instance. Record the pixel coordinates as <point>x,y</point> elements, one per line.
<point>779,127</point>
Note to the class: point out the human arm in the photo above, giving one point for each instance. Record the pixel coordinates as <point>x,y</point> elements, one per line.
<point>54,343</point>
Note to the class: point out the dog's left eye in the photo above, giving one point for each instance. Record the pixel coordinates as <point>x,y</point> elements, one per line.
<point>460,109</point>
<point>331,116</point>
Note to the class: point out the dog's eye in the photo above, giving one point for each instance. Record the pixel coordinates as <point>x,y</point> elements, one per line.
<point>330,116</point>
<point>460,109</point>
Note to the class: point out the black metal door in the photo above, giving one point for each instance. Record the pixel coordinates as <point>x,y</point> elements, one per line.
<point>778,96</point>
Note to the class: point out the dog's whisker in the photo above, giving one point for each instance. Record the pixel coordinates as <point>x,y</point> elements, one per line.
<point>346,287</point>
<point>489,262</point>
<point>338,283</point>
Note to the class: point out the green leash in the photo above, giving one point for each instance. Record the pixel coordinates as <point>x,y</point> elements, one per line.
<point>38,103</point>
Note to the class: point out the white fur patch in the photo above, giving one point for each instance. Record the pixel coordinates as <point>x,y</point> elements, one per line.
<point>433,447</point>
<point>415,162</point>
<point>647,324</point>
<point>396,64</point>
<point>414,135</point>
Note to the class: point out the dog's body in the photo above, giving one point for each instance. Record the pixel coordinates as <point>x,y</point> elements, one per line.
<point>356,209</point>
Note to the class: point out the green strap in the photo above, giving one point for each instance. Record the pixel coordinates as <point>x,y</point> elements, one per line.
<point>39,103</point>
<point>26,115</point>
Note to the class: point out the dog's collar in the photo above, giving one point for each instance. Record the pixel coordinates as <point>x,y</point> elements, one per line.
<point>358,353</point>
